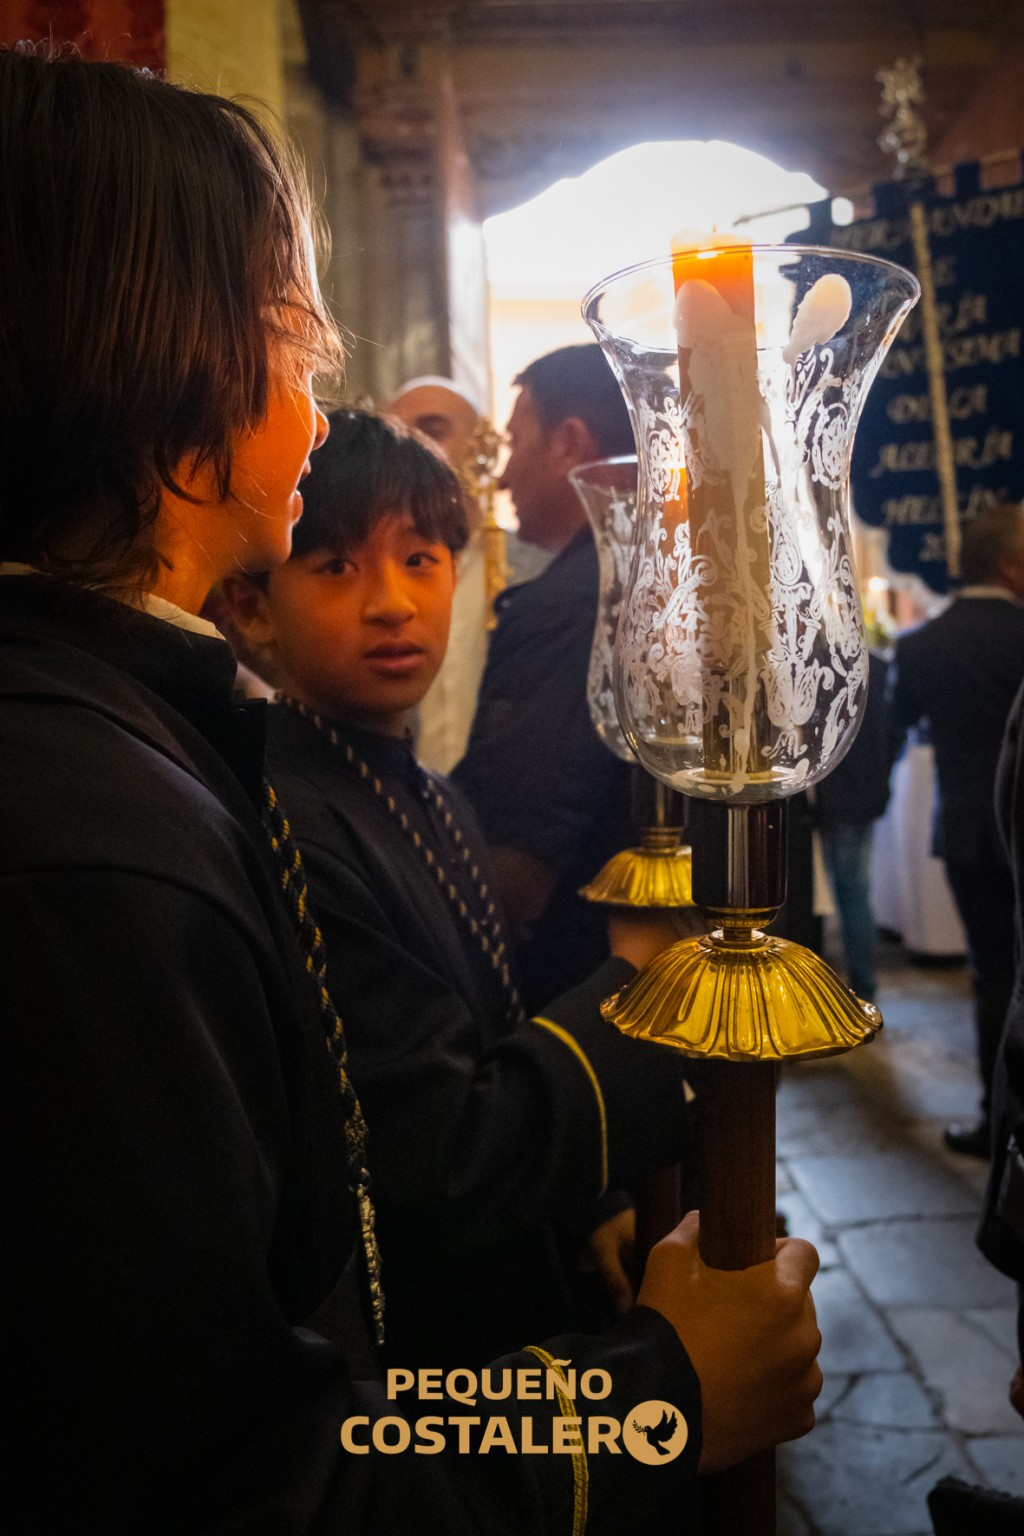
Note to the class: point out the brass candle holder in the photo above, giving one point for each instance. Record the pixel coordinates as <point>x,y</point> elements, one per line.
<point>656,873</point>
<point>740,671</point>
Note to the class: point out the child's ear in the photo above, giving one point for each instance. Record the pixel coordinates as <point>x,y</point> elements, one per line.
<point>249,610</point>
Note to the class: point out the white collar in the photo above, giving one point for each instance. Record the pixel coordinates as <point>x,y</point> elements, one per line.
<point>983,590</point>
<point>156,607</point>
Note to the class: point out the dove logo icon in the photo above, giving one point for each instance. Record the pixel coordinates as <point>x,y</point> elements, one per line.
<point>655,1432</point>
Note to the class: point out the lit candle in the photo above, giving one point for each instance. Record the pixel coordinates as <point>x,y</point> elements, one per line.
<point>718,384</point>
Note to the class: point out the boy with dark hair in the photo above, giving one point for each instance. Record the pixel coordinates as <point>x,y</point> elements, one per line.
<point>487,1128</point>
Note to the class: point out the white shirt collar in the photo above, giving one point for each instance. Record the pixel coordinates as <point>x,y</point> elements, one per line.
<point>156,607</point>
<point>987,591</point>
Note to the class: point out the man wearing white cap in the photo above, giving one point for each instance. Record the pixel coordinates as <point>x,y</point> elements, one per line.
<point>442,410</point>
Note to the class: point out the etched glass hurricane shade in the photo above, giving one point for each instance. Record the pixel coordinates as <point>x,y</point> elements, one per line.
<point>741,663</point>
<point>607,489</point>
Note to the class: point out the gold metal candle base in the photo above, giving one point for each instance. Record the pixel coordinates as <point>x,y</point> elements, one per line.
<point>741,995</point>
<point>658,873</point>
<point>644,878</point>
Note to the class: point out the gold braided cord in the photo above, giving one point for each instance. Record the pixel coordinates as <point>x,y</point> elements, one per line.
<point>580,1466</point>
<point>485,930</point>
<point>295,890</point>
<point>572,1044</point>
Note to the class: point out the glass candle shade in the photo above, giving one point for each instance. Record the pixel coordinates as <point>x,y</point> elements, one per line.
<point>740,663</point>
<point>607,489</point>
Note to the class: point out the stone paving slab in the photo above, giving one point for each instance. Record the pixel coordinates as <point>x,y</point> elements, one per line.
<point>972,1171</point>
<point>877,1185</point>
<point>1000,1462</point>
<point>942,999</point>
<point>853,1337</point>
<point>834,1388</point>
<point>804,1223</point>
<point>1000,1325</point>
<point>918,1330</point>
<point>924,1263</point>
<point>961,1364</point>
<point>912,1079</point>
<point>822,1084</point>
<point>805,1128</point>
<point>887,1399</point>
<point>859,1481</point>
<point>788,1519</point>
<point>822,1108</point>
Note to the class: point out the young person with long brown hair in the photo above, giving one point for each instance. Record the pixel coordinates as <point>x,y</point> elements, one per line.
<point>192,1272</point>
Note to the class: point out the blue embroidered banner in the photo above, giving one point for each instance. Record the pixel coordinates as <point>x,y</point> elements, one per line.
<point>977,245</point>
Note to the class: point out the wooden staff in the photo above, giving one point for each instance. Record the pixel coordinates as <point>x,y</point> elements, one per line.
<point>737,1229</point>
<point>736,1100</point>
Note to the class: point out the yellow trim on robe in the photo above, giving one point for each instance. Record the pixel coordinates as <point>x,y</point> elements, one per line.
<point>580,1467</point>
<point>581,1056</point>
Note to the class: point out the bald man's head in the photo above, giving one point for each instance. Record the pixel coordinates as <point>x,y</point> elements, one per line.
<point>439,409</point>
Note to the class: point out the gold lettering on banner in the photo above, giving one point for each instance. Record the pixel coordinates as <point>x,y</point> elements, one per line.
<point>978,212</point>
<point>964,401</point>
<point>933,547</point>
<point>981,212</point>
<point>960,352</point>
<point>954,317</point>
<point>944,270</point>
<point>969,453</point>
<point>904,511</point>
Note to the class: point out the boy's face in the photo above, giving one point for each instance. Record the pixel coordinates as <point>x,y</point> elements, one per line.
<point>363,635</point>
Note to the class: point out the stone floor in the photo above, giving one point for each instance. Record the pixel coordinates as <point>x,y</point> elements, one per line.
<point>918,1330</point>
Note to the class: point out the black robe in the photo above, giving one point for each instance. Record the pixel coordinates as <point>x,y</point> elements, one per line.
<point>1001,1236</point>
<point>172,1134</point>
<point>483,1136</point>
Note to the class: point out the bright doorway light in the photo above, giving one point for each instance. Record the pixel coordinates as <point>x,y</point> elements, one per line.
<point>543,256</point>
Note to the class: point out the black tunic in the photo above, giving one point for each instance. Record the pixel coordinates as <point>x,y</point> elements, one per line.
<point>1001,1237</point>
<point>171,1131</point>
<point>482,1135</point>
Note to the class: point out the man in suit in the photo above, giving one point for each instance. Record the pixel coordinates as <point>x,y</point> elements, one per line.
<point>960,673</point>
<point>552,800</point>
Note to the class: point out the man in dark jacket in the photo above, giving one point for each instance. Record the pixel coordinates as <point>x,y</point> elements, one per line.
<point>552,801</point>
<point>960,673</point>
